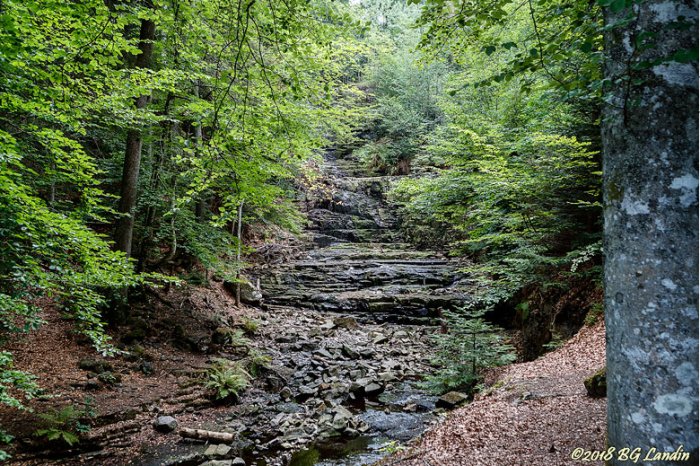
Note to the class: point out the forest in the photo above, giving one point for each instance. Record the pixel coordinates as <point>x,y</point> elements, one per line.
<point>348,232</point>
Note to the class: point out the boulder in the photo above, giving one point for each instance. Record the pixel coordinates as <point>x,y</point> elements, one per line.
<point>286,393</point>
<point>342,418</point>
<point>358,386</point>
<point>217,451</point>
<point>341,412</point>
<point>346,322</point>
<point>349,352</point>
<point>249,293</point>
<point>95,365</point>
<point>451,400</point>
<point>596,384</point>
<point>137,332</point>
<point>323,352</point>
<point>165,424</point>
<point>366,387</point>
<point>367,353</point>
<point>109,378</point>
<point>294,434</point>
<point>400,426</point>
<point>373,389</point>
<point>289,408</point>
<point>305,392</point>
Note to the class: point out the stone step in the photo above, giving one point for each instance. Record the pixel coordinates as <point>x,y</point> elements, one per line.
<point>398,293</point>
<point>381,246</point>
<point>364,235</point>
<point>369,262</point>
<point>313,277</point>
<point>381,306</point>
<point>292,287</point>
<point>322,219</point>
<point>369,256</point>
<point>357,262</point>
<point>376,186</point>
<point>322,240</point>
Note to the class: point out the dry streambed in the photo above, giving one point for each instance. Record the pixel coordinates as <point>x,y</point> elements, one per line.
<point>334,388</point>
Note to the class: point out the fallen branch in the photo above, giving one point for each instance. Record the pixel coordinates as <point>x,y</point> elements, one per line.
<point>200,434</point>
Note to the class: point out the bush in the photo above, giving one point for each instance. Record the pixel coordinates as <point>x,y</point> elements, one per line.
<point>64,424</point>
<point>250,326</point>
<point>593,314</point>
<point>524,207</point>
<point>472,344</point>
<point>256,362</point>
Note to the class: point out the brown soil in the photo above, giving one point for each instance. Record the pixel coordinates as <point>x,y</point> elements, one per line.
<point>179,325</point>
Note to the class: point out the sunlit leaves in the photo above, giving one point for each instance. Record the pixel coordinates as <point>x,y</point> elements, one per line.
<point>543,38</point>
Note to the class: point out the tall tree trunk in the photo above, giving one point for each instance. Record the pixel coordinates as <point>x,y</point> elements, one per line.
<point>132,157</point>
<point>201,205</point>
<point>650,145</point>
<point>238,253</point>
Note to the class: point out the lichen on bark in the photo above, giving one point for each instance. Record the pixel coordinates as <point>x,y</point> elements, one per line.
<point>650,137</point>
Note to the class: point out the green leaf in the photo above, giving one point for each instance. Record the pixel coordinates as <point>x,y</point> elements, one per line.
<point>685,55</point>
<point>587,46</point>
<point>617,6</point>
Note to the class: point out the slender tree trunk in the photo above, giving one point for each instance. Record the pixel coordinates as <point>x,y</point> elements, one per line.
<point>238,254</point>
<point>201,205</point>
<point>132,156</point>
<point>151,211</point>
<point>650,141</point>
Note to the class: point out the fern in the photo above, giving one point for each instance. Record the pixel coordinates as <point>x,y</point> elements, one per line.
<point>226,380</point>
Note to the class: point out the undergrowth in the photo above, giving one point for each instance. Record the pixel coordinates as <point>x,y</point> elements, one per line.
<point>471,344</point>
<point>226,380</point>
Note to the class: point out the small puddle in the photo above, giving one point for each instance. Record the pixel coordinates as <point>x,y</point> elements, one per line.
<point>363,450</point>
<point>389,425</point>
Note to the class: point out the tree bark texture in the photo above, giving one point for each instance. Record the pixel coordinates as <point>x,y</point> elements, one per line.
<point>239,235</point>
<point>650,157</point>
<point>132,157</point>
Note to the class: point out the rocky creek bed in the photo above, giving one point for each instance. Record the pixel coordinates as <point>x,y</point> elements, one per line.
<point>337,392</point>
<point>346,321</point>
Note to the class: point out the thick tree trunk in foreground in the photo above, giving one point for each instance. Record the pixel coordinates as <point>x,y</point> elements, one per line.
<point>650,138</point>
<point>132,157</point>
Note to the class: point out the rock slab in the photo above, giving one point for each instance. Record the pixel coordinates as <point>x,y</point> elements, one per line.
<point>451,400</point>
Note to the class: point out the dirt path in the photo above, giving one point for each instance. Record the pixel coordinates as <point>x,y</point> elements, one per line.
<point>536,414</point>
